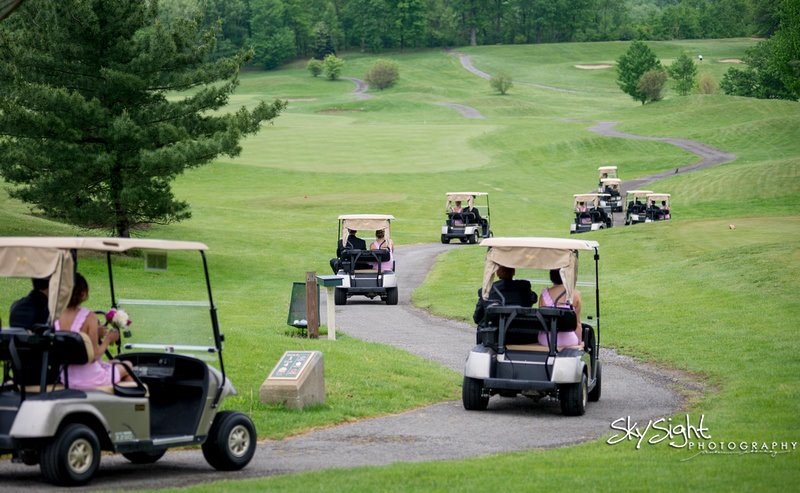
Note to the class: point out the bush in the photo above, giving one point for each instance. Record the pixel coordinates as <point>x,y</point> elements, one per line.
<point>651,84</point>
<point>382,74</point>
<point>501,83</point>
<point>314,66</point>
<point>332,66</point>
<point>707,84</point>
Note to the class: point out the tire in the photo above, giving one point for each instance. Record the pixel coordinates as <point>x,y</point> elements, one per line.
<point>445,239</point>
<point>339,296</point>
<point>145,457</point>
<point>594,395</point>
<point>573,397</point>
<point>391,296</point>
<point>231,441</point>
<point>473,238</point>
<point>72,458</point>
<point>471,397</point>
<point>463,239</point>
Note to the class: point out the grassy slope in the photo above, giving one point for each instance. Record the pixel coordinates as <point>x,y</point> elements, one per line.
<point>691,294</point>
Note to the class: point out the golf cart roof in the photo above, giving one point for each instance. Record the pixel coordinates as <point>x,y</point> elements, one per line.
<point>535,253</point>
<point>364,222</point>
<point>588,197</point>
<point>366,217</point>
<point>607,168</point>
<point>464,195</point>
<point>610,181</point>
<point>658,196</point>
<point>44,257</point>
<point>638,192</point>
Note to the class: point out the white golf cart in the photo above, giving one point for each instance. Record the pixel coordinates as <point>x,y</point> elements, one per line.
<point>508,360</point>
<point>658,207</point>
<point>174,347</point>
<point>612,187</point>
<point>636,206</point>
<point>604,173</point>
<point>364,271</point>
<point>589,214</point>
<point>467,217</point>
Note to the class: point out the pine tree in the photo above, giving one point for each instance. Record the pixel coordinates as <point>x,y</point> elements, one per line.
<point>103,106</point>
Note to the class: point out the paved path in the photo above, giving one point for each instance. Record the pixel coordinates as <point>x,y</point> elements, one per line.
<point>360,91</point>
<point>466,111</point>
<point>440,431</point>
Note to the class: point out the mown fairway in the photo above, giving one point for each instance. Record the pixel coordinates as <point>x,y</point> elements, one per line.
<point>692,294</point>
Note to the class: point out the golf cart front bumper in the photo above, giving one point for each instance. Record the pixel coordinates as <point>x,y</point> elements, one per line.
<point>525,370</point>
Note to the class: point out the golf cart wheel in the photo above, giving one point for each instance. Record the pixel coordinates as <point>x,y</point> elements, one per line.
<point>339,297</point>
<point>391,296</point>
<point>573,397</point>
<point>231,441</point>
<point>594,394</point>
<point>473,238</point>
<point>463,239</point>
<point>472,395</point>
<point>445,239</point>
<point>145,457</point>
<point>73,456</point>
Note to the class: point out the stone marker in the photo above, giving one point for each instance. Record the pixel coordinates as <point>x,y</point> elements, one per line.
<point>297,381</point>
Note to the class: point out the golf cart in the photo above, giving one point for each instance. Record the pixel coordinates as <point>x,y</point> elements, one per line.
<point>658,208</point>
<point>174,348</point>
<point>508,359</point>
<point>589,215</point>
<point>466,223</point>
<point>612,203</point>
<point>636,206</point>
<point>364,272</point>
<point>604,173</point>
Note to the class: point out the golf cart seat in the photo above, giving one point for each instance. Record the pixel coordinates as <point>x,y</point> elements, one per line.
<point>455,219</point>
<point>469,218</point>
<point>353,260</point>
<point>517,328</point>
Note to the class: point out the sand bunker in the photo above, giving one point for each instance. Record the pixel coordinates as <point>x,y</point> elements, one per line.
<point>595,66</point>
<point>730,60</point>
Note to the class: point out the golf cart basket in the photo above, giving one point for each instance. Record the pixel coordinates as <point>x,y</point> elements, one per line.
<point>466,226</point>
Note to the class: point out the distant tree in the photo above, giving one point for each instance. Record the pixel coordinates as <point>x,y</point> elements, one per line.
<point>651,85</point>
<point>634,63</point>
<point>707,84</point>
<point>501,83</point>
<point>315,67</point>
<point>409,22</point>
<point>332,66</point>
<point>323,41</point>
<point>683,71</point>
<point>272,39</point>
<point>382,74</point>
<point>103,106</point>
<point>762,75</point>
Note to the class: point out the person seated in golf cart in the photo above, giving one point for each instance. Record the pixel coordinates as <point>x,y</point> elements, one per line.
<point>381,242</point>
<point>32,310</point>
<point>505,291</point>
<point>352,242</point>
<point>555,296</point>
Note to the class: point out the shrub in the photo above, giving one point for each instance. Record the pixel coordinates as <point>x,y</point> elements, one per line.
<point>501,83</point>
<point>707,84</point>
<point>332,66</point>
<point>651,84</point>
<point>314,66</point>
<point>382,74</point>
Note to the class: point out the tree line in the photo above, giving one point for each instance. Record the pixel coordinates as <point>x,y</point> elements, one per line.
<point>284,30</point>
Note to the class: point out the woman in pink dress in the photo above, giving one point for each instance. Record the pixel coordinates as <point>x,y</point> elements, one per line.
<point>382,243</point>
<point>75,318</point>
<point>551,297</point>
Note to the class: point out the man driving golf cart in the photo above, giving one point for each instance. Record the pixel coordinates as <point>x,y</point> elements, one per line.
<point>175,353</point>
<point>658,208</point>
<point>365,271</point>
<point>508,359</point>
<point>636,206</point>
<point>612,187</point>
<point>589,215</point>
<point>466,220</point>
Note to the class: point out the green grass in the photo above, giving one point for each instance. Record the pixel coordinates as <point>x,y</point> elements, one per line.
<point>691,294</point>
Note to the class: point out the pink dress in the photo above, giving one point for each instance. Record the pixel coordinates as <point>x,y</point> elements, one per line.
<point>91,375</point>
<point>564,338</point>
<point>381,245</point>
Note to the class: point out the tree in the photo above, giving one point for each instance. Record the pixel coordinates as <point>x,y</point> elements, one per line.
<point>501,83</point>
<point>382,74</point>
<point>684,71</point>
<point>88,134</point>
<point>332,66</point>
<point>314,66</point>
<point>632,65</point>
<point>651,84</point>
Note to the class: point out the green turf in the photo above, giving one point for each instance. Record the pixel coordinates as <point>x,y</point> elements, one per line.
<point>691,294</point>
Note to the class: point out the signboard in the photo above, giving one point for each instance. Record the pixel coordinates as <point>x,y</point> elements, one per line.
<point>291,365</point>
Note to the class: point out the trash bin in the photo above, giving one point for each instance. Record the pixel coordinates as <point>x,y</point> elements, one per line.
<point>297,306</point>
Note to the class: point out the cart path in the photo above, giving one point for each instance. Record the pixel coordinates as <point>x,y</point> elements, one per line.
<point>466,62</point>
<point>466,111</point>
<point>360,91</point>
<point>437,432</point>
